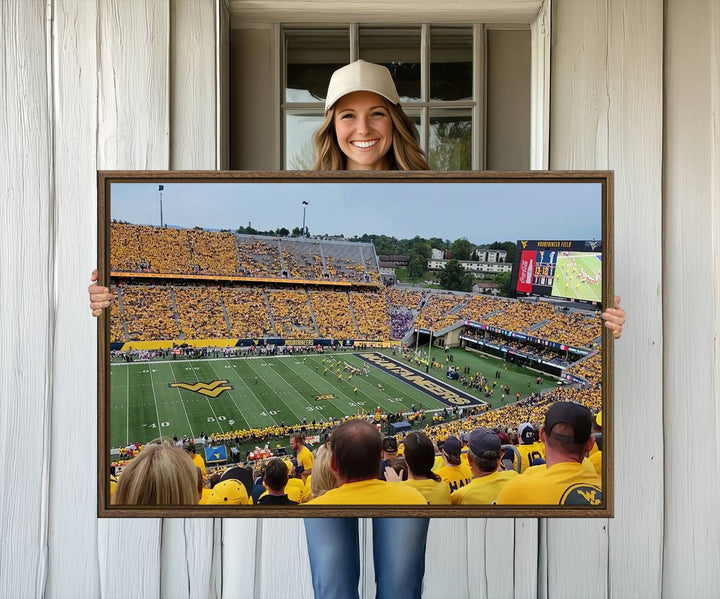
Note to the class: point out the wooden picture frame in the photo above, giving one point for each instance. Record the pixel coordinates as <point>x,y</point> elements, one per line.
<point>563,212</point>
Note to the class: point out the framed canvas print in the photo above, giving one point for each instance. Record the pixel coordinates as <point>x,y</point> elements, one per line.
<point>355,344</point>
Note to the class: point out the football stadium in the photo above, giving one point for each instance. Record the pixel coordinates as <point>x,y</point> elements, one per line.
<point>233,342</point>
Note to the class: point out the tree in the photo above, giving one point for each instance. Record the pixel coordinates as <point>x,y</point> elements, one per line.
<point>282,232</point>
<point>461,249</point>
<point>503,281</point>
<point>421,247</point>
<point>455,278</point>
<point>437,244</point>
<point>297,232</point>
<point>417,267</point>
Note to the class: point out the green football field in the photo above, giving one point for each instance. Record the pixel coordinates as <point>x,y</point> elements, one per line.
<point>569,282</point>
<point>187,397</point>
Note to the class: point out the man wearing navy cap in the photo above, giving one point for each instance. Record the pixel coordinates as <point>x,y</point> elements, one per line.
<point>484,455</point>
<point>564,480</point>
<point>529,452</point>
<point>455,474</point>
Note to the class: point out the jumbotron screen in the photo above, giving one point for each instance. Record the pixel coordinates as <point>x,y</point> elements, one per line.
<point>559,268</point>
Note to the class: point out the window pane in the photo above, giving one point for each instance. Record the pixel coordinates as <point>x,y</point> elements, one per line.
<point>311,58</point>
<point>451,56</point>
<point>415,118</point>
<point>398,50</point>
<point>508,100</point>
<point>450,145</point>
<point>299,149</point>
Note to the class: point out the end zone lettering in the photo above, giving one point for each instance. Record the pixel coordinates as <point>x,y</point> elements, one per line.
<point>438,390</point>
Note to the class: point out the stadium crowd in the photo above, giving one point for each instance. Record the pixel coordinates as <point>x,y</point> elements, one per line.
<point>331,310</point>
<point>148,312</point>
<point>169,250</point>
<point>200,312</point>
<point>460,463</point>
<point>247,312</point>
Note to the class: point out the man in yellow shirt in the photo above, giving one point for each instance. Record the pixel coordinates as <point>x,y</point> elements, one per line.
<point>564,480</point>
<point>356,449</point>
<point>529,452</point>
<point>484,455</point>
<point>198,461</point>
<point>303,454</point>
<point>455,474</point>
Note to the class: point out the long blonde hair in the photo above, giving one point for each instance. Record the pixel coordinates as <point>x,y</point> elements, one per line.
<point>322,478</point>
<point>404,155</point>
<point>159,475</point>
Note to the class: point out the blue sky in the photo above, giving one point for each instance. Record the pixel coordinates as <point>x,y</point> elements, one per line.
<point>481,212</point>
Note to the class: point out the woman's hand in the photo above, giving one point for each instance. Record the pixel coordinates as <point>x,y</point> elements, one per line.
<point>99,296</point>
<point>614,319</point>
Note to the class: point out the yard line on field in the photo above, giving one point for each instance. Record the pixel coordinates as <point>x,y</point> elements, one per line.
<point>127,414</point>
<point>157,413</point>
<point>277,395</point>
<point>182,402</point>
<point>235,404</point>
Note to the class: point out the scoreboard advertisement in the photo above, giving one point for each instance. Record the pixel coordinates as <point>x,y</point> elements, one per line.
<point>566,269</point>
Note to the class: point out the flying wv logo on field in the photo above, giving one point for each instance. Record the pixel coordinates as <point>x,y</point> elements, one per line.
<point>211,389</point>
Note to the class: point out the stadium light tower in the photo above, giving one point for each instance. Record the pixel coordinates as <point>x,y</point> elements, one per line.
<point>160,190</point>
<point>305,204</point>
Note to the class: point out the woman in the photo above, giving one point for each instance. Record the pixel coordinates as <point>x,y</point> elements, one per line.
<point>159,475</point>
<point>322,478</point>
<point>420,457</point>
<point>365,129</point>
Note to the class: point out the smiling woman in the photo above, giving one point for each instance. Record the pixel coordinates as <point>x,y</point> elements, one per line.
<point>364,131</point>
<point>365,128</point>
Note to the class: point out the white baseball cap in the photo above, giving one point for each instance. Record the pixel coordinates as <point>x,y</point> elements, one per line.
<point>361,76</point>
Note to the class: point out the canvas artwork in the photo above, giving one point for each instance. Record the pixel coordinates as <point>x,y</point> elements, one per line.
<point>255,313</point>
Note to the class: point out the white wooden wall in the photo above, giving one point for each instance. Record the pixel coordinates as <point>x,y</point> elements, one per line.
<point>99,84</point>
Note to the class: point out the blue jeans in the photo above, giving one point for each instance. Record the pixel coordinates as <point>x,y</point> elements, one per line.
<point>398,555</point>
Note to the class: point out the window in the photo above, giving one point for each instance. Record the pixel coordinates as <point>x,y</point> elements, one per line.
<point>439,72</point>
<point>467,87</point>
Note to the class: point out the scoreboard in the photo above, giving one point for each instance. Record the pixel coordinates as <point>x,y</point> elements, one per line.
<point>567,269</point>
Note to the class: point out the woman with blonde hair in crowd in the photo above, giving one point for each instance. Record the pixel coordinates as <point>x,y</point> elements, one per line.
<point>160,475</point>
<point>322,478</point>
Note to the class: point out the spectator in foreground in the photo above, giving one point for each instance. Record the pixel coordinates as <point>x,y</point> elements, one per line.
<point>454,473</point>
<point>420,457</point>
<point>322,479</point>
<point>356,450</point>
<point>564,480</point>
<point>484,456</point>
<point>229,492</point>
<point>160,475</point>
<point>276,479</point>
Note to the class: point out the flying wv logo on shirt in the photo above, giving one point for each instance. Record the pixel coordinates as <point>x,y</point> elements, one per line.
<point>211,389</point>
<point>582,494</point>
